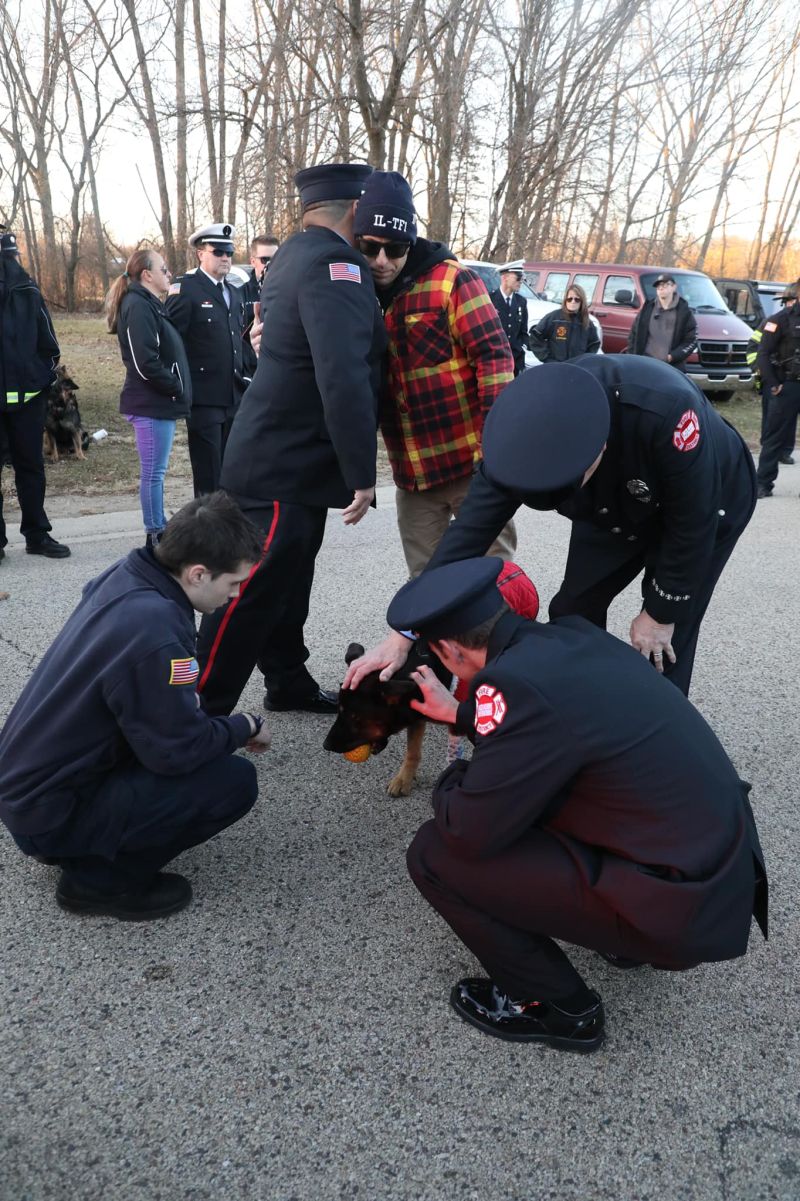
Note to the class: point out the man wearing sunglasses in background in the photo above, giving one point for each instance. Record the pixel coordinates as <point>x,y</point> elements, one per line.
<point>449,358</point>
<point>207,313</point>
<point>263,249</point>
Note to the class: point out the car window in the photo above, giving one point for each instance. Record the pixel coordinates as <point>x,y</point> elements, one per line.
<point>770,302</point>
<point>738,300</point>
<point>489,275</point>
<point>588,283</point>
<point>618,283</point>
<point>556,285</point>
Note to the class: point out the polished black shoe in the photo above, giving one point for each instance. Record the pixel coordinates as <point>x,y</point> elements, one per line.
<point>167,893</point>
<point>763,493</point>
<point>313,702</point>
<point>2,552</point>
<point>48,547</point>
<point>479,1002</point>
<point>620,961</point>
<point>786,460</point>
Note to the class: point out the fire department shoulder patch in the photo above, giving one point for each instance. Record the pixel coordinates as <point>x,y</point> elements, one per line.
<point>686,435</point>
<point>490,709</point>
<point>561,331</point>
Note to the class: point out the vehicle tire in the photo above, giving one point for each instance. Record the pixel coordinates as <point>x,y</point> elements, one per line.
<point>721,398</point>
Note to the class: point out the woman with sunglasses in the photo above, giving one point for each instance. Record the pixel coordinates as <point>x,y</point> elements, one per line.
<point>157,389</point>
<point>566,332</point>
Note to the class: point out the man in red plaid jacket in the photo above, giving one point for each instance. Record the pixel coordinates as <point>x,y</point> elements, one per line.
<point>448,359</point>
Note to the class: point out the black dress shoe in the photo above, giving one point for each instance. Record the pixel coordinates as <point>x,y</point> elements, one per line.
<point>786,460</point>
<point>763,493</point>
<point>48,547</point>
<point>479,1002</point>
<point>620,961</point>
<point>167,893</point>
<point>313,702</point>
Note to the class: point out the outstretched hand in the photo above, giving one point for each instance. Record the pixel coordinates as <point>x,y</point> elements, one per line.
<point>438,703</point>
<point>387,658</point>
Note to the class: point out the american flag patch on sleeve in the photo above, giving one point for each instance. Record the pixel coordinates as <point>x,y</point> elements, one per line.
<point>183,671</point>
<point>349,271</point>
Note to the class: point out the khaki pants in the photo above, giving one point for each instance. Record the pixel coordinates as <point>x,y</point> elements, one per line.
<point>422,518</point>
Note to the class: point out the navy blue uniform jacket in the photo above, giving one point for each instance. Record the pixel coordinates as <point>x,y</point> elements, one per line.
<point>778,356</point>
<point>212,335</point>
<point>306,431</point>
<point>514,319</point>
<point>677,500</point>
<point>619,766</point>
<point>117,683</point>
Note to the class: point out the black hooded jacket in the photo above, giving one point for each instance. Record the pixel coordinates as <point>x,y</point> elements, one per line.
<point>29,351</point>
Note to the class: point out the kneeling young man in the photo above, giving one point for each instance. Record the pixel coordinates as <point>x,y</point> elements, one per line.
<point>598,808</point>
<point>108,765</point>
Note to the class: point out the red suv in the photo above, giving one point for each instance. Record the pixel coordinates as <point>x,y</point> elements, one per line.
<point>616,291</point>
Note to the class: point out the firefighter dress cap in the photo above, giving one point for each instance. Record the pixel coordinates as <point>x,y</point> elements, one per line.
<point>331,181</point>
<point>386,209</point>
<point>8,242</point>
<point>220,234</point>
<point>545,429</point>
<point>446,601</point>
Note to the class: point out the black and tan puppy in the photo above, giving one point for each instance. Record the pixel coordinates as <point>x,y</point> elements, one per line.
<point>62,422</point>
<point>370,714</point>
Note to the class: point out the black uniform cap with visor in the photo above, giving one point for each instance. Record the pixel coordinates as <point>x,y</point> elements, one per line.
<point>543,432</point>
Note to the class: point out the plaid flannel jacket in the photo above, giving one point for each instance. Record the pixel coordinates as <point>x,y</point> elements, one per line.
<point>449,358</point>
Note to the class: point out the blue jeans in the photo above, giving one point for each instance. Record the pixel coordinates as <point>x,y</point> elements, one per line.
<point>154,437</point>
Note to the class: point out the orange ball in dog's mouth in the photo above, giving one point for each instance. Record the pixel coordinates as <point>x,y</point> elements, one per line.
<point>359,754</point>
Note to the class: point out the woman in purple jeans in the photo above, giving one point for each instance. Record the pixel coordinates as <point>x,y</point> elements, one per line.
<point>157,389</point>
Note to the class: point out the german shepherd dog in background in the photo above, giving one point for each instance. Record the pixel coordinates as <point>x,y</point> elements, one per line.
<point>62,422</point>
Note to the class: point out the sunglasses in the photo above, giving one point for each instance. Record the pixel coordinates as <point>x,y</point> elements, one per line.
<point>220,252</point>
<point>264,259</point>
<point>393,250</point>
<point>573,300</point>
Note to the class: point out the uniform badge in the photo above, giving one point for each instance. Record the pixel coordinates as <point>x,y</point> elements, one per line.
<point>183,671</point>
<point>639,490</point>
<point>687,432</point>
<point>350,271</point>
<point>206,304</point>
<point>561,331</point>
<point>490,709</point>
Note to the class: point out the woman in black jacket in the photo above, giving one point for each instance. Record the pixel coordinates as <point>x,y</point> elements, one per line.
<point>157,389</point>
<point>566,332</point>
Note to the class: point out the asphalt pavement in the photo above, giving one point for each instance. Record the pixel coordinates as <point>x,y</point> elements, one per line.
<point>288,1037</point>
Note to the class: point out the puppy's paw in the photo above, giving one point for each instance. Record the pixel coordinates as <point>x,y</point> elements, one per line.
<point>402,783</point>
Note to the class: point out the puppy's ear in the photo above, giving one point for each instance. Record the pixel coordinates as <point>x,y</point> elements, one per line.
<point>354,651</point>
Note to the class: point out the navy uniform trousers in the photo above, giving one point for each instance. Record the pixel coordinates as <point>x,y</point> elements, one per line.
<point>600,566</point>
<point>125,828</point>
<point>271,610</point>
<point>21,428</point>
<point>782,416</point>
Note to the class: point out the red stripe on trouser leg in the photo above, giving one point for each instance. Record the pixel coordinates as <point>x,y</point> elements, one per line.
<point>232,606</point>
